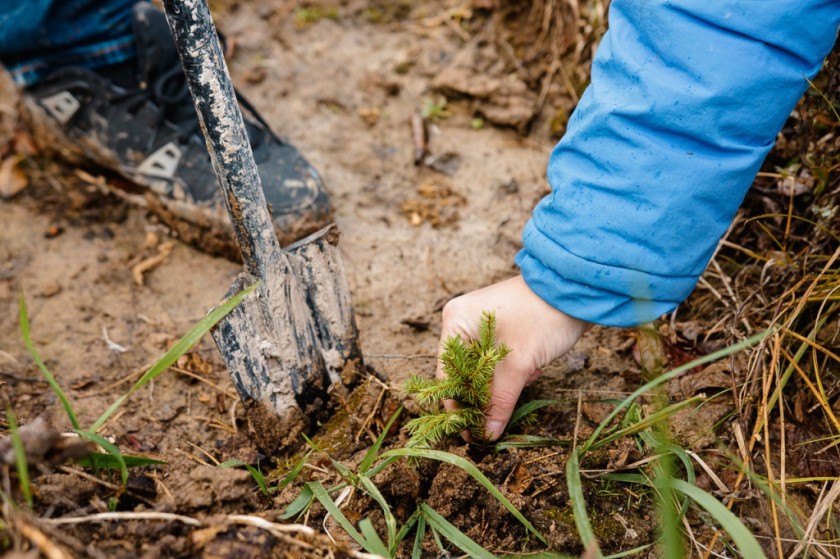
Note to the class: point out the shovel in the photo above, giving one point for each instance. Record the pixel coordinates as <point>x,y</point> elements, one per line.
<point>292,343</point>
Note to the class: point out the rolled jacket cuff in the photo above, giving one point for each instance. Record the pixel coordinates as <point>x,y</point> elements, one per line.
<point>594,292</point>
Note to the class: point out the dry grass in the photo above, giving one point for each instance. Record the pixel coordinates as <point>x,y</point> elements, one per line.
<point>780,265</point>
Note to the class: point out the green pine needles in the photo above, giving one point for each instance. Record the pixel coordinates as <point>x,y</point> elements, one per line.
<point>469,371</point>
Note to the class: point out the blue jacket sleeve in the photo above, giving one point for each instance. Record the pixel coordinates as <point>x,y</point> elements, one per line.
<point>685,102</point>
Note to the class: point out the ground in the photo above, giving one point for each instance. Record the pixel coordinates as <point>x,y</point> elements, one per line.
<point>109,290</point>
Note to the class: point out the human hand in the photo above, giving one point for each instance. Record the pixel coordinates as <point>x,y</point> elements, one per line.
<point>536,332</point>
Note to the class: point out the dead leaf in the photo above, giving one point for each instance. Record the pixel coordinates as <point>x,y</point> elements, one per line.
<point>12,177</point>
<point>711,379</point>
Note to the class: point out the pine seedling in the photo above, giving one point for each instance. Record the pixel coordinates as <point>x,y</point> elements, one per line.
<point>469,368</point>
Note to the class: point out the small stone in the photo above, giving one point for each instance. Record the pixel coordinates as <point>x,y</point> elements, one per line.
<point>50,289</point>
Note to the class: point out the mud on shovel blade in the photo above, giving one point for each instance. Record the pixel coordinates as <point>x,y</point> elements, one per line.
<point>290,341</point>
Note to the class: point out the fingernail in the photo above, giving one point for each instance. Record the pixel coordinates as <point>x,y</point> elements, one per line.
<point>494,429</point>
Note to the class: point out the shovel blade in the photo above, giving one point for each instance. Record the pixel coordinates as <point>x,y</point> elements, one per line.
<point>291,346</point>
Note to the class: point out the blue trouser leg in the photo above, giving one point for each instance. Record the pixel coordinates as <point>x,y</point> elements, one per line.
<point>38,36</point>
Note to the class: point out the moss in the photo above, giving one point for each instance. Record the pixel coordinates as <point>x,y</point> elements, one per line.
<point>336,437</point>
<point>307,16</point>
<point>606,528</point>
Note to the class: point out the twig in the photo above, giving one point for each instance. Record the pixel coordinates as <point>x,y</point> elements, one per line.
<point>233,416</point>
<point>346,494</point>
<point>149,264</point>
<point>185,372</point>
<point>372,414</point>
<point>192,457</point>
<point>122,516</point>
<point>41,541</point>
<point>87,476</point>
<point>263,524</point>
<point>112,345</point>
<point>400,356</point>
<point>127,378</point>
<point>204,452</point>
<point>280,531</point>
<point>691,537</point>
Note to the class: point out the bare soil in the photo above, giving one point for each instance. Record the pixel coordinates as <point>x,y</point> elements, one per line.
<point>342,84</point>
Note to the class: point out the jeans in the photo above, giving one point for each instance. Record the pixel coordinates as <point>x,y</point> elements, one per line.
<point>38,36</point>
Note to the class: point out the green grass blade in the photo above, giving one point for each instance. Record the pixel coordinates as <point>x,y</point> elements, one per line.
<point>110,448</point>
<point>744,540</point>
<point>101,460</point>
<point>645,423</point>
<point>669,527</point>
<point>638,479</point>
<point>324,498</point>
<point>453,534</point>
<point>680,453</point>
<point>293,474</point>
<point>390,520</point>
<point>258,476</point>
<point>575,485</point>
<point>527,409</point>
<point>720,354</point>
<point>438,543</point>
<point>342,470</point>
<point>374,542</point>
<point>21,464</point>
<point>381,466</point>
<point>301,504</point>
<point>634,552</point>
<point>27,340</point>
<point>405,529</point>
<point>529,441</point>
<point>470,468</point>
<point>417,550</point>
<point>183,346</point>
<point>370,456</point>
<point>540,555</point>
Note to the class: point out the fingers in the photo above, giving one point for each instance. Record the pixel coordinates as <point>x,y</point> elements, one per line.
<point>508,383</point>
<point>536,333</point>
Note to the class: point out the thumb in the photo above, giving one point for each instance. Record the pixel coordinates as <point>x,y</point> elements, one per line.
<point>508,383</point>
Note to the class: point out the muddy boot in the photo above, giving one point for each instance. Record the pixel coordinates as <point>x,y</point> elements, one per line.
<point>137,119</point>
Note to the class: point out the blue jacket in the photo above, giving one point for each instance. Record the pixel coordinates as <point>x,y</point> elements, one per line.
<point>685,102</point>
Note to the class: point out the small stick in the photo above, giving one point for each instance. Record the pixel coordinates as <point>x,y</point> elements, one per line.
<point>129,377</point>
<point>371,415</point>
<point>200,378</point>
<point>420,137</point>
<point>189,521</point>
<point>41,541</point>
<point>204,452</point>
<point>400,355</point>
